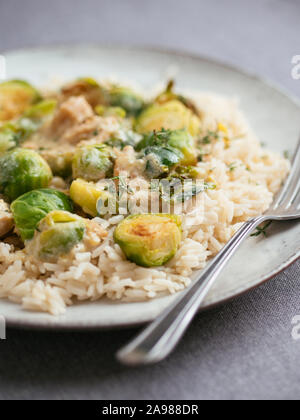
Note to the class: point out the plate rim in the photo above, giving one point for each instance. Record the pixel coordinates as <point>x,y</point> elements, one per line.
<point>60,325</point>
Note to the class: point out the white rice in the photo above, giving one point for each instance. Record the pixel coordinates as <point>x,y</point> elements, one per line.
<point>240,195</point>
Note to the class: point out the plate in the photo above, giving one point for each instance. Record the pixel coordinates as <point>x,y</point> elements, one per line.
<point>273,114</point>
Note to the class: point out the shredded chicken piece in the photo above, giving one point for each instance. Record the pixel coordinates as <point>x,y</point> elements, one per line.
<point>6,218</point>
<point>73,111</point>
<point>127,164</point>
<point>94,234</point>
<point>82,131</point>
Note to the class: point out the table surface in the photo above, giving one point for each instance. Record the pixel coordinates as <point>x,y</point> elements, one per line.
<point>241,350</point>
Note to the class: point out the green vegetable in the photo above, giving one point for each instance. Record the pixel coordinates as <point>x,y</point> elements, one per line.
<point>108,111</point>
<point>29,209</point>
<point>178,139</point>
<point>149,240</point>
<point>41,110</point>
<point>22,170</point>
<point>93,163</point>
<point>92,198</point>
<point>59,161</point>
<point>172,115</point>
<point>15,97</point>
<point>159,160</point>
<point>124,138</point>
<point>168,95</point>
<point>14,134</point>
<point>56,236</point>
<point>126,99</point>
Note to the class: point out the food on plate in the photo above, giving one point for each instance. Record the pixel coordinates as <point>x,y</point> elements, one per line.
<point>22,170</point>
<point>149,240</point>
<point>106,191</point>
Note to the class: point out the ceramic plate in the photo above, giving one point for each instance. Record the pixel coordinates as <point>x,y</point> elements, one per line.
<point>273,114</point>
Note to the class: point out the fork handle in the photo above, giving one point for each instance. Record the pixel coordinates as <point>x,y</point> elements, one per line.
<point>158,339</point>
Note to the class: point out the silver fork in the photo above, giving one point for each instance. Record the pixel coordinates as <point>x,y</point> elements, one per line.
<point>157,340</point>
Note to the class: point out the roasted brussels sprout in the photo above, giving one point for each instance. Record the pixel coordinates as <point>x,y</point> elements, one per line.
<point>126,99</point>
<point>93,162</point>
<point>177,139</point>
<point>172,115</point>
<point>87,195</point>
<point>29,209</point>
<point>15,97</point>
<point>159,160</point>
<point>56,236</point>
<point>22,170</point>
<point>149,240</point>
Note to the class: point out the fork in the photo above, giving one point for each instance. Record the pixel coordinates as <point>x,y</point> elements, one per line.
<point>158,339</point>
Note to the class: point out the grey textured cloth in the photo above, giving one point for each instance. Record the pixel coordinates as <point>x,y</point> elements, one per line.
<point>241,350</point>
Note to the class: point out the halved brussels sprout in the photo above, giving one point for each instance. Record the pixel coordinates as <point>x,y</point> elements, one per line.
<point>149,240</point>
<point>171,115</point>
<point>93,162</point>
<point>60,161</point>
<point>29,209</point>
<point>127,99</point>
<point>22,170</point>
<point>87,194</point>
<point>159,160</point>
<point>178,139</point>
<point>56,236</point>
<point>15,97</point>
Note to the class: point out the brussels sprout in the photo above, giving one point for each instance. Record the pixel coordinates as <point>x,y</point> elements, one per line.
<point>41,110</point>
<point>178,139</point>
<point>89,88</point>
<point>149,240</point>
<point>22,170</point>
<point>124,138</point>
<point>127,99</point>
<point>60,161</point>
<point>29,209</point>
<point>93,162</point>
<point>172,115</point>
<point>56,236</point>
<point>108,111</point>
<point>159,160</point>
<point>87,194</point>
<point>14,134</point>
<point>168,95</point>
<point>15,97</point>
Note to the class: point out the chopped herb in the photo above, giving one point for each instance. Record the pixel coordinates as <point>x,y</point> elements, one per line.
<point>286,154</point>
<point>262,230</point>
<point>232,166</point>
<point>212,135</point>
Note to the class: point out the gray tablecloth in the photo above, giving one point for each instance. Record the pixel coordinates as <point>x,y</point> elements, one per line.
<point>243,349</point>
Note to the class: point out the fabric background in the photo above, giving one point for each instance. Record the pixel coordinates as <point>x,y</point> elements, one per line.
<point>241,350</point>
